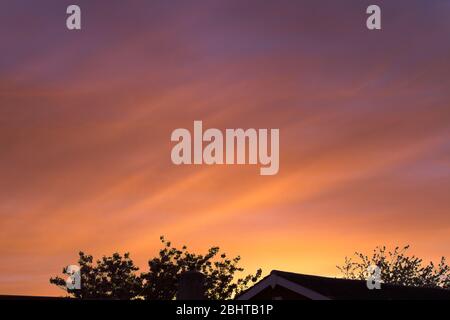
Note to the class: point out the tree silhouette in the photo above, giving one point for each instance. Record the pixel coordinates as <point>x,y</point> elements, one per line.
<point>161,282</point>
<point>115,277</point>
<point>111,278</point>
<point>398,268</point>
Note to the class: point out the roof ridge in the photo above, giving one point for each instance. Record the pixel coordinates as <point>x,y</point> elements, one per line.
<point>280,273</point>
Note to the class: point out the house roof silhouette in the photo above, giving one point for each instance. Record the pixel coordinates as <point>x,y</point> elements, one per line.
<point>280,285</point>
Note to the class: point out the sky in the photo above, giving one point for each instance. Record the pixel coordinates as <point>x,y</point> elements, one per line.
<point>86,118</point>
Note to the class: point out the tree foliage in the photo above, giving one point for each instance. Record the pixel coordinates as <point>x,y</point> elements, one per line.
<point>397,267</point>
<point>111,277</point>
<point>220,273</point>
<point>115,277</point>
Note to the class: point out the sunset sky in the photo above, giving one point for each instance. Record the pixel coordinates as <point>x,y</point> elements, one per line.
<point>86,118</point>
